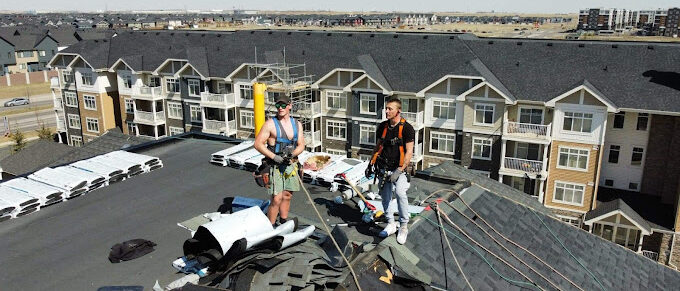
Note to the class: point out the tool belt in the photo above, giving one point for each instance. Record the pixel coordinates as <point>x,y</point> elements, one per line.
<point>263,172</point>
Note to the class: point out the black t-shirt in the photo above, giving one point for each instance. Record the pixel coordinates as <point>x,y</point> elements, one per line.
<point>391,152</point>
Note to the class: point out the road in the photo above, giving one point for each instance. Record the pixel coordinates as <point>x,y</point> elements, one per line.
<point>36,100</point>
<point>32,120</point>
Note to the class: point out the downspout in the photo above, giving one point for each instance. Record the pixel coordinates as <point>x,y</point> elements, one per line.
<point>258,106</point>
<point>593,203</point>
<point>670,254</point>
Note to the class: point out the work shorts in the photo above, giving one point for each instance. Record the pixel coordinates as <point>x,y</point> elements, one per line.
<point>283,178</point>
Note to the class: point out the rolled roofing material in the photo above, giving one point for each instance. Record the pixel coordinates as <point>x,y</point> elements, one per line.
<point>129,168</point>
<point>148,162</point>
<point>227,230</point>
<point>72,186</point>
<point>289,239</point>
<point>6,209</point>
<point>232,150</point>
<point>282,229</point>
<point>19,199</point>
<point>99,168</point>
<point>45,193</point>
<point>341,166</point>
<point>238,160</point>
<point>93,180</point>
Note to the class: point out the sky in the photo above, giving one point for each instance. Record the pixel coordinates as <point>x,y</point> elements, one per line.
<point>518,6</point>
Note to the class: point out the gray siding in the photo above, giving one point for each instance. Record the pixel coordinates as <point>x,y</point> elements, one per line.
<point>6,55</point>
<point>483,165</point>
<point>458,147</point>
<point>50,47</point>
<point>355,108</point>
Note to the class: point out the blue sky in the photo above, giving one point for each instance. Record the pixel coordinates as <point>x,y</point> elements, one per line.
<point>520,6</point>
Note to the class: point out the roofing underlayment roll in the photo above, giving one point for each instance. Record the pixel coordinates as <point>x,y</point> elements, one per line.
<point>222,233</point>
<point>46,194</point>
<point>283,229</point>
<point>289,239</point>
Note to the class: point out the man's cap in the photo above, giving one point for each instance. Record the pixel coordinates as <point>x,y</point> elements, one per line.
<point>282,98</point>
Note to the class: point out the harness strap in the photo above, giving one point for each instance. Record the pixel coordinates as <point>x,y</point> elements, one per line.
<point>280,139</point>
<point>382,139</point>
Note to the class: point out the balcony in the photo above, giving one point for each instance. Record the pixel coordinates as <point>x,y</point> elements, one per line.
<point>527,130</point>
<point>308,109</point>
<point>147,93</point>
<point>61,125</point>
<point>219,127</point>
<point>149,118</point>
<point>417,153</point>
<point>654,256</point>
<point>57,104</point>
<point>313,139</point>
<point>68,85</point>
<point>523,165</point>
<point>218,100</point>
<point>54,83</point>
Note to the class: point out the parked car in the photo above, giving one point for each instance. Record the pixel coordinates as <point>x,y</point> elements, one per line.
<point>16,102</point>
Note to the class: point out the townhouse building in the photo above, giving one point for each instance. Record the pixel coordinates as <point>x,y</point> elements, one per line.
<point>588,135</point>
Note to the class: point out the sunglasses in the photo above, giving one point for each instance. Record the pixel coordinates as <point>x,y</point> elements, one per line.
<point>280,105</point>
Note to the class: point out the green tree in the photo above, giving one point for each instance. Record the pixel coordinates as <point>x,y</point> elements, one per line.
<point>19,141</point>
<point>44,133</point>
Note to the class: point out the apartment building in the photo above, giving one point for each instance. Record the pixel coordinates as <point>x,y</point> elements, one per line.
<point>658,22</point>
<point>21,53</point>
<point>567,123</point>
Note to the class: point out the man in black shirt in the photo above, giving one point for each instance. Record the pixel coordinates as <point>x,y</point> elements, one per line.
<point>392,156</point>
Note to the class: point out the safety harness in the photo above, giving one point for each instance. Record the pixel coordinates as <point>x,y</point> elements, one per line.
<point>282,139</point>
<point>398,140</point>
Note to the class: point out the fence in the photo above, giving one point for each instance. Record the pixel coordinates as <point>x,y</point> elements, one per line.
<point>15,79</point>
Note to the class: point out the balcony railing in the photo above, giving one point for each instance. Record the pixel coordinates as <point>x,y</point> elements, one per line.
<point>150,117</point>
<point>231,127</point>
<point>313,138</point>
<point>414,118</point>
<point>147,92</point>
<point>61,125</point>
<point>54,83</point>
<point>529,166</point>
<point>218,99</point>
<point>417,152</point>
<point>58,104</point>
<point>214,125</point>
<point>527,129</point>
<point>309,108</point>
<point>654,256</point>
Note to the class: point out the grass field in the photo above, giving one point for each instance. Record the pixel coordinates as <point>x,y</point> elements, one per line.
<point>24,109</point>
<point>24,90</point>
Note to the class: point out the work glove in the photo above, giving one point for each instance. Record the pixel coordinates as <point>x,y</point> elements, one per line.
<point>369,171</point>
<point>278,159</point>
<point>395,175</point>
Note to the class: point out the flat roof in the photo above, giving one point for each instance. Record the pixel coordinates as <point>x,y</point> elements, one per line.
<point>66,246</point>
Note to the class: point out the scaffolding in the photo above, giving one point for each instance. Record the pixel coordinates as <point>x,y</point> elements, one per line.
<point>293,81</point>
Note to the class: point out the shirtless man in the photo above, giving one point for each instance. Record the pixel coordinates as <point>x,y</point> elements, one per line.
<point>280,140</point>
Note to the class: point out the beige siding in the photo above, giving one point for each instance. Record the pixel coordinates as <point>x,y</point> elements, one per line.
<point>459,86</point>
<point>345,78</point>
<point>589,99</point>
<point>241,74</point>
<point>439,89</point>
<point>575,98</point>
<point>577,177</point>
<point>332,80</point>
<point>469,116</point>
<point>108,120</point>
<point>478,93</point>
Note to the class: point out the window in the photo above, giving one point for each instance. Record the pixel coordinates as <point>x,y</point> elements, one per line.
<point>570,220</point>
<point>636,159</point>
<point>131,127</point>
<point>74,121</point>
<point>481,148</point>
<point>368,103</point>
<point>444,109</point>
<point>367,134</point>
<point>222,88</point>
<point>569,193</point>
<point>194,87</point>
<point>336,100</point>
<point>174,110</point>
<point>68,77</point>
<point>531,115</point>
<point>527,151</point>
<point>76,141</point>
<point>614,151</point>
<point>71,99</point>
<point>365,157</point>
<point>444,143</point>
<point>336,152</point>
<point>484,114</point>
<point>336,130</point>
<point>22,66</point>
<point>25,54</point>
<point>129,105</point>
<point>578,121</point>
<point>92,124</point>
<point>246,91</point>
<point>154,81</point>
<point>642,121</point>
<point>127,81</point>
<point>247,119</point>
<point>633,186</point>
<point>573,159</point>
<point>618,119</point>
<point>87,79</point>
<point>175,130</point>
<point>42,53</point>
<point>89,102</point>
<point>195,113</point>
<point>609,182</point>
<point>172,85</point>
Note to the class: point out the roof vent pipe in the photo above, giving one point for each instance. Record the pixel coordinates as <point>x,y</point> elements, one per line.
<point>490,42</point>
<point>650,47</point>
<point>581,45</point>
<point>550,44</point>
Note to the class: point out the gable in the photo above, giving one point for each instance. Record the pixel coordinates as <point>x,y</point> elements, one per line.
<point>575,98</point>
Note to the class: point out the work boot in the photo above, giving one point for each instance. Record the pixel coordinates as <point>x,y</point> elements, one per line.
<point>401,236</point>
<point>390,229</point>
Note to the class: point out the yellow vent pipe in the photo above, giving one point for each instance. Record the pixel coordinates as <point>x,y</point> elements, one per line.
<point>258,105</point>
